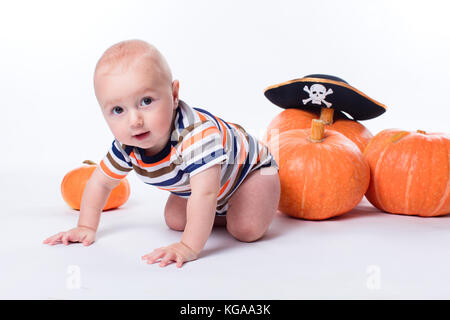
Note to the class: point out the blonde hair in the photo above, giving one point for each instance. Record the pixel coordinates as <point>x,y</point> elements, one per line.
<point>125,54</point>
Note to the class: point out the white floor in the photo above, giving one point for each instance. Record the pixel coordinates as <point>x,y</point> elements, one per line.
<point>364,254</point>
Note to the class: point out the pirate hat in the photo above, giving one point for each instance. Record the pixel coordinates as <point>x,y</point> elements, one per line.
<point>320,90</point>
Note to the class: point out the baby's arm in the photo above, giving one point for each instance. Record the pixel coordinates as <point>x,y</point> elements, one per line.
<point>95,195</point>
<point>200,214</point>
<point>201,208</point>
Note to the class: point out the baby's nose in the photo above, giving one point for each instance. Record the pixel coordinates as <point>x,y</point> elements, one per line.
<point>136,120</point>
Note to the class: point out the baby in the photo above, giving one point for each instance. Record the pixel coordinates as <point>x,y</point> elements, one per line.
<point>216,173</point>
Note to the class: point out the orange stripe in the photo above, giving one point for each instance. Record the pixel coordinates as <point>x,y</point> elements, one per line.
<point>260,153</point>
<point>202,117</point>
<point>224,129</point>
<point>198,136</point>
<point>149,165</point>
<point>167,189</point>
<point>109,172</point>
<point>223,188</point>
<point>224,139</point>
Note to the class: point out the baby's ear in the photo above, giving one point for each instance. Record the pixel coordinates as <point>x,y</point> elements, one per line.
<point>175,86</point>
<point>175,90</point>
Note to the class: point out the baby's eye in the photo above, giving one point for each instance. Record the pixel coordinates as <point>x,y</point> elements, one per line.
<point>117,110</point>
<point>146,101</point>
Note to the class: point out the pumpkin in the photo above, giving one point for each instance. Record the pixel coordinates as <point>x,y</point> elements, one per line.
<point>74,182</point>
<point>300,119</point>
<point>410,172</point>
<point>322,173</point>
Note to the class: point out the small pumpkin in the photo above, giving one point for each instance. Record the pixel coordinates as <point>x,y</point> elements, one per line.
<point>322,173</point>
<point>410,172</point>
<point>74,182</point>
<point>301,119</point>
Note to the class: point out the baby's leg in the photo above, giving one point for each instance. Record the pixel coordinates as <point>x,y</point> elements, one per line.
<point>175,213</point>
<point>254,205</point>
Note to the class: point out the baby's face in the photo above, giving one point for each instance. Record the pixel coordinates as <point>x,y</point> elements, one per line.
<point>138,105</point>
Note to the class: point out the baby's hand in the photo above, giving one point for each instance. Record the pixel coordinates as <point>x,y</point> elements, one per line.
<point>78,234</point>
<point>177,252</point>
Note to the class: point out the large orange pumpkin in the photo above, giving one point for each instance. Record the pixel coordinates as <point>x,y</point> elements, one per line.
<point>300,119</point>
<point>322,174</point>
<point>410,172</point>
<point>74,182</point>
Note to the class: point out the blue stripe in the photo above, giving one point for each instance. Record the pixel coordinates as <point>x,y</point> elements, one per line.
<point>234,149</point>
<point>119,154</point>
<point>226,123</point>
<point>182,194</point>
<point>213,155</point>
<point>209,114</point>
<point>180,118</point>
<point>128,149</point>
<point>156,157</point>
<point>244,171</point>
<point>169,182</point>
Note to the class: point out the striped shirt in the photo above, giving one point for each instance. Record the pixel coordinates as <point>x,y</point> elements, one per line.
<point>198,141</point>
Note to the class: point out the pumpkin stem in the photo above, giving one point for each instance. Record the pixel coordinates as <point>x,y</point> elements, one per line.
<point>317,131</point>
<point>326,115</point>
<point>421,131</point>
<point>89,162</point>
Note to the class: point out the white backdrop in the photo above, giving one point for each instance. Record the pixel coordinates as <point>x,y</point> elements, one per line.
<point>225,53</point>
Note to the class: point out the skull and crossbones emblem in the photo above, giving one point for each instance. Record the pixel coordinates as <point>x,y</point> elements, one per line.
<point>317,94</point>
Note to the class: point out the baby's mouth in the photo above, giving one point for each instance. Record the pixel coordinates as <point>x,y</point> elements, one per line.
<point>142,136</point>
